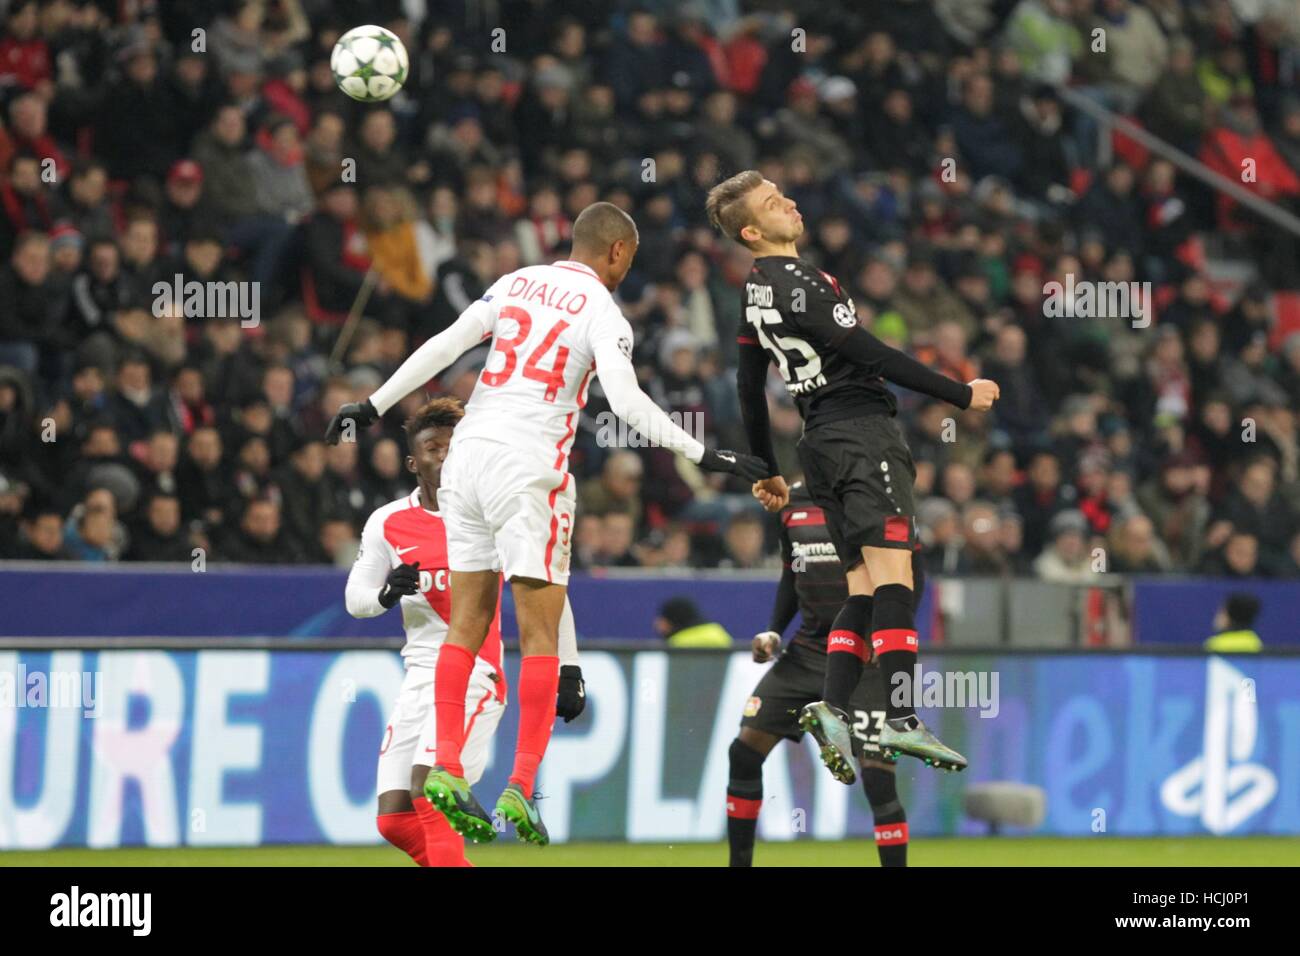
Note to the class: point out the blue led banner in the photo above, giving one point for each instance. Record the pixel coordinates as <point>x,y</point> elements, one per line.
<point>226,747</point>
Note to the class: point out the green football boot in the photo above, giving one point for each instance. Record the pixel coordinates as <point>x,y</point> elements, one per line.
<point>897,737</point>
<point>522,812</point>
<point>450,795</point>
<point>830,728</point>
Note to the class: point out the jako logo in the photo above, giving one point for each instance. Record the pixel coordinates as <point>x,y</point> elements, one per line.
<point>848,641</point>
<point>889,835</point>
<point>103,909</point>
<point>1219,786</point>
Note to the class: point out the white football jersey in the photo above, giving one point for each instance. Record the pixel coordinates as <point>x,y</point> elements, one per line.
<point>548,325</point>
<point>404,532</point>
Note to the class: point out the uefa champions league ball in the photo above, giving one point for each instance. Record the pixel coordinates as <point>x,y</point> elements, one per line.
<point>369,64</point>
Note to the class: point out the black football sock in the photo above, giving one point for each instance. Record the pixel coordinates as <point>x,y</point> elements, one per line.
<point>846,650</point>
<point>744,798</point>
<point>893,637</point>
<point>891,820</point>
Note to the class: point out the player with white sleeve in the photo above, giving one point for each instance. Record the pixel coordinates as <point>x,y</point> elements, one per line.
<point>507,496</point>
<point>403,562</point>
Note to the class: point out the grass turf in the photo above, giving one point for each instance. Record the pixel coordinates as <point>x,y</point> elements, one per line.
<point>1005,851</point>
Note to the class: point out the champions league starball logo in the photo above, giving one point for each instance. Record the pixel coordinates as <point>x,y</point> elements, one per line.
<point>1220,787</point>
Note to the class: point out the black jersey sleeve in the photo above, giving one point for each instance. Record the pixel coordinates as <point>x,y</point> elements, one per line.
<point>751,384</point>
<point>787,600</point>
<point>831,324</point>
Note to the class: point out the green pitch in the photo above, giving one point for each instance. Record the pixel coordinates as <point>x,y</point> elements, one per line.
<point>1005,851</point>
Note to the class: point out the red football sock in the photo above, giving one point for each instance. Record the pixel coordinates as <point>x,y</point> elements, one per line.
<point>443,846</point>
<point>539,682</point>
<point>450,684</point>
<point>403,830</point>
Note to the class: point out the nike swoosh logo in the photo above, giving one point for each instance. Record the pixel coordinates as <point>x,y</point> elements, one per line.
<point>402,551</point>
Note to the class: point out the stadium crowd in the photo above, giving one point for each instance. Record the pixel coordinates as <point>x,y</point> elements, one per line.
<point>941,175</point>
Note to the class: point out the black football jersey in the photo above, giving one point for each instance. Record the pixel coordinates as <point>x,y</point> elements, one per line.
<point>800,316</point>
<point>818,575</point>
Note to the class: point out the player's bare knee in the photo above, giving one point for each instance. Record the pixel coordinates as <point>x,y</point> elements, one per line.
<point>888,566</point>
<point>757,740</point>
<point>394,801</point>
<point>418,776</point>
<point>859,580</point>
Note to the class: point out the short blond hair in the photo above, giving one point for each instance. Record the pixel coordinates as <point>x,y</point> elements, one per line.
<point>726,207</point>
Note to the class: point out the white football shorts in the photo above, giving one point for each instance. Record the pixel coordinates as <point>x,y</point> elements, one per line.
<point>411,737</point>
<point>507,509</point>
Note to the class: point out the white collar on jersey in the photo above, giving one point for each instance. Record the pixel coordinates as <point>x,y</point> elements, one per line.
<point>570,264</point>
<point>414,499</point>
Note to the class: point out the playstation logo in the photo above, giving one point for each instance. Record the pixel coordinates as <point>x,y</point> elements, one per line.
<point>1220,786</point>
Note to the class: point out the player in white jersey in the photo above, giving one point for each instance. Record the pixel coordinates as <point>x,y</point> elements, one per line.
<point>507,495</point>
<point>403,562</point>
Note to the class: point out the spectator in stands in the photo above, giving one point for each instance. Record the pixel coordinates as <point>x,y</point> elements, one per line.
<point>399,248</point>
<point>1066,559</point>
<point>206,491</point>
<point>160,537</point>
<point>135,406</point>
<point>1175,108</point>
<point>28,133</point>
<point>91,534</point>
<point>681,624</point>
<point>924,300</point>
<point>1042,35</point>
<point>136,133</point>
<point>1135,549</point>
<point>155,463</point>
<point>89,207</point>
<point>259,538</point>
<point>1234,624</point>
<point>42,536</point>
<point>25,59</point>
<point>1238,558</point>
<point>307,497</point>
<point>743,541</point>
<point>24,205</point>
<point>29,316</point>
<point>1255,508</point>
<point>981,553</point>
<point>985,138</point>
<point>617,489</point>
<point>336,255</point>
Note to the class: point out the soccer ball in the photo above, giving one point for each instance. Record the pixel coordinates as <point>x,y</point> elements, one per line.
<point>369,64</point>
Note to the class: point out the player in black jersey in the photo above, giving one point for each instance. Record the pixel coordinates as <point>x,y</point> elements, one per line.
<point>855,459</point>
<point>812,583</point>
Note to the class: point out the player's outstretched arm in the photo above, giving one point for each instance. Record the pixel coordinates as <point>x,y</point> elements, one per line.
<point>473,325</point>
<point>864,349</point>
<point>628,402</point>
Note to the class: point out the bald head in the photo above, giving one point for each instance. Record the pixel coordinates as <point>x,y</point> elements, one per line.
<point>605,238</point>
<point>601,225</point>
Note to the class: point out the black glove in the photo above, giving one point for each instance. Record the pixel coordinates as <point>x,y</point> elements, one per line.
<point>749,467</point>
<point>362,413</point>
<point>402,580</point>
<point>572,699</point>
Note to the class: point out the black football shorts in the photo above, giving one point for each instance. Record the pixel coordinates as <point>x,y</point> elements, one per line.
<point>795,680</point>
<point>860,472</point>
